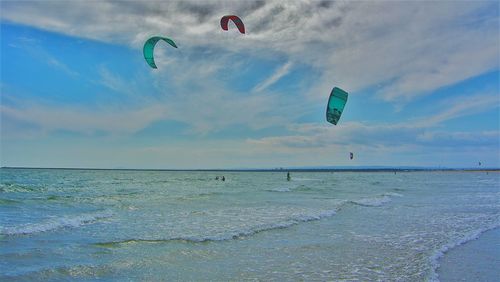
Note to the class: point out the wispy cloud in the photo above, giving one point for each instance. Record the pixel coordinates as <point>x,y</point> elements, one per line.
<point>375,137</point>
<point>113,81</point>
<point>78,119</point>
<point>412,50</point>
<point>61,66</point>
<point>404,50</point>
<point>277,75</point>
<point>464,106</point>
<point>421,131</point>
<point>32,47</point>
<point>205,105</point>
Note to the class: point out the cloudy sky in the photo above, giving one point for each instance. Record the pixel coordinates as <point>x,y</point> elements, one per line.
<point>423,83</point>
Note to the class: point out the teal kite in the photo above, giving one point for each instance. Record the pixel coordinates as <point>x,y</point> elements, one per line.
<point>336,103</point>
<point>149,47</point>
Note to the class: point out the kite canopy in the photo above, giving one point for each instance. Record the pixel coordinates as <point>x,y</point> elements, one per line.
<point>336,103</point>
<point>237,21</point>
<point>149,47</point>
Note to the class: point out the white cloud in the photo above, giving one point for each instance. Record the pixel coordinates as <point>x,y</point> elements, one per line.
<point>411,48</point>
<point>204,104</point>
<point>277,75</point>
<point>406,134</point>
<point>462,106</point>
<point>79,119</point>
<point>114,82</point>
<point>32,47</point>
<point>379,144</point>
<point>406,49</point>
<point>460,139</point>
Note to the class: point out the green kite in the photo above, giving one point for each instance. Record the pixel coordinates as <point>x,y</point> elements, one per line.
<point>149,47</point>
<point>336,103</point>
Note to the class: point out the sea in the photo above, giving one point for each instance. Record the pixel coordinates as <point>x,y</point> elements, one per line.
<point>139,225</point>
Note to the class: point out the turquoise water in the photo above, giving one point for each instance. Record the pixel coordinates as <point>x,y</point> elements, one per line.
<point>163,225</point>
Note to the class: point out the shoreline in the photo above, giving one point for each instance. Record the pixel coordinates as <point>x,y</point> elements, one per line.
<point>474,258</point>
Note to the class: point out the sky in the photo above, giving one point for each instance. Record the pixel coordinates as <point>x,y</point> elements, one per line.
<point>423,80</point>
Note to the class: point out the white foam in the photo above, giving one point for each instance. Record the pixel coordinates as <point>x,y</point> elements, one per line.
<point>376,201</point>
<point>282,189</point>
<point>265,227</point>
<point>304,179</point>
<point>489,181</point>
<point>392,194</point>
<point>237,234</point>
<point>372,202</point>
<point>55,223</point>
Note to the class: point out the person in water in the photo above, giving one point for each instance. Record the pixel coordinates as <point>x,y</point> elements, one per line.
<point>288,176</point>
<point>223,178</point>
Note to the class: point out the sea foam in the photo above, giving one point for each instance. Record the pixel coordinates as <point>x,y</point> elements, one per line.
<point>372,202</point>
<point>55,223</point>
<point>231,235</point>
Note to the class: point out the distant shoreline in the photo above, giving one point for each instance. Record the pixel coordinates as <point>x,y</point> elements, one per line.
<point>396,169</point>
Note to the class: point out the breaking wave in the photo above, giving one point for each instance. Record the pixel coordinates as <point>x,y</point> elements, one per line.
<point>372,202</point>
<point>55,223</point>
<point>230,235</point>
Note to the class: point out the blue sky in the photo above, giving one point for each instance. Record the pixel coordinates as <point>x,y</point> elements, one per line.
<point>423,83</point>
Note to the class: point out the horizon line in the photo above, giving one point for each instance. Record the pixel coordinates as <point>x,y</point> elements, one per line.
<point>296,169</point>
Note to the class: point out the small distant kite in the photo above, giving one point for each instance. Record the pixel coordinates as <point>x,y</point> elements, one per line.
<point>351,155</point>
<point>336,103</point>
<point>237,21</point>
<point>149,47</point>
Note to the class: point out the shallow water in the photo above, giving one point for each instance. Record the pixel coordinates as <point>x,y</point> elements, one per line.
<point>163,225</point>
<point>478,260</point>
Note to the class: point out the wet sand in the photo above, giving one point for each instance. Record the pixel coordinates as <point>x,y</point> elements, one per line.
<point>476,260</point>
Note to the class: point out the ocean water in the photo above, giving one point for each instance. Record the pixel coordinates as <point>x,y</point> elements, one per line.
<point>171,225</point>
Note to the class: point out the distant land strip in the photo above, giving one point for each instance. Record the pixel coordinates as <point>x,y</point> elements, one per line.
<point>320,169</point>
